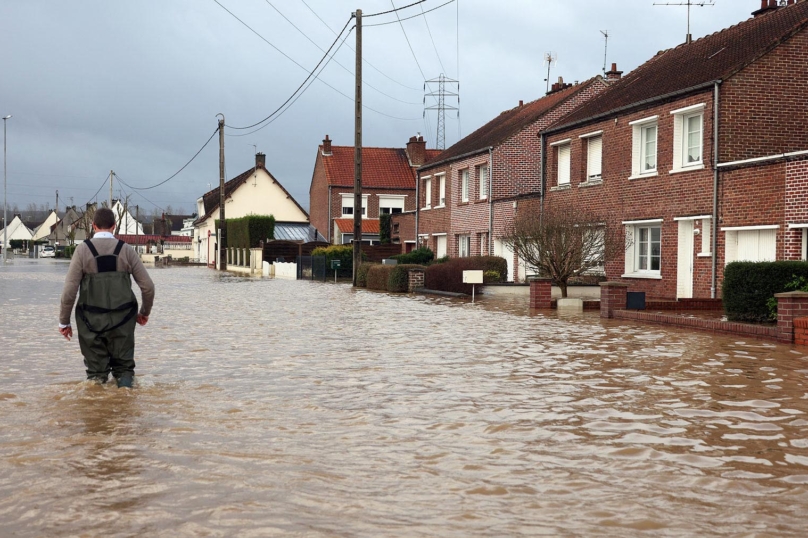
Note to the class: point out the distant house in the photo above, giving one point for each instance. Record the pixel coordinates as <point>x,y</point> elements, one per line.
<point>69,229</point>
<point>253,192</point>
<point>174,225</point>
<point>388,186</point>
<point>125,223</point>
<point>16,231</point>
<point>44,229</point>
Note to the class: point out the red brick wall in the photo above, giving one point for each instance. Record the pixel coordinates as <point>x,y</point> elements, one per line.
<point>468,218</point>
<point>318,198</point>
<point>405,231</point>
<point>665,196</point>
<point>764,107</point>
<point>796,207</point>
<point>435,220</point>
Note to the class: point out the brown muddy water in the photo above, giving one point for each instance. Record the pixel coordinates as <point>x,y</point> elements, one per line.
<point>277,408</point>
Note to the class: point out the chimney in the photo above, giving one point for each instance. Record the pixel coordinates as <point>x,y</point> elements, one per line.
<point>326,146</point>
<point>614,74</point>
<point>521,103</point>
<point>416,150</point>
<point>260,160</point>
<point>558,86</point>
<point>765,7</point>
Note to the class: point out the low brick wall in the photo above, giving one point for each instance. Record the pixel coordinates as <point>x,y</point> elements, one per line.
<point>801,331</point>
<point>415,280</point>
<point>588,304</point>
<point>767,332</point>
<point>685,304</point>
<point>612,298</point>
<point>541,290</point>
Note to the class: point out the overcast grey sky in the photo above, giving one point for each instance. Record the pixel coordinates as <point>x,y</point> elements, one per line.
<point>134,86</point>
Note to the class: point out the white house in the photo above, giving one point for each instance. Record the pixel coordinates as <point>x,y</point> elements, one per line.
<point>16,230</point>
<point>43,230</point>
<point>254,192</point>
<point>127,224</point>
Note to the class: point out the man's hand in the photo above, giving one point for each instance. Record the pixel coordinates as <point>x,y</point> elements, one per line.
<point>67,332</point>
<point>142,320</point>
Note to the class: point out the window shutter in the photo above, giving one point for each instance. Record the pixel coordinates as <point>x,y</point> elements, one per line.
<point>767,246</point>
<point>678,141</point>
<point>730,247</point>
<point>630,241</point>
<point>636,144</point>
<point>594,158</point>
<point>564,164</point>
<point>706,231</point>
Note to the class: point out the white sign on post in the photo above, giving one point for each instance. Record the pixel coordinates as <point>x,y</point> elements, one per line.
<point>473,277</point>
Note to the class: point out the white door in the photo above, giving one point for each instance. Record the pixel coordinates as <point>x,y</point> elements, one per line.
<point>502,250</point>
<point>684,261</point>
<point>440,246</point>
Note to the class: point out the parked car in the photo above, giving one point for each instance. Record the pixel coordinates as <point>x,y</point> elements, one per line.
<point>48,252</point>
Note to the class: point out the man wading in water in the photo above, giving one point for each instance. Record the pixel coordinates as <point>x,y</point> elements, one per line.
<point>107,309</point>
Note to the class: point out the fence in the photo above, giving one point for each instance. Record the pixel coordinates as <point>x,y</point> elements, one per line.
<point>377,253</point>
<point>311,268</point>
<point>289,250</point>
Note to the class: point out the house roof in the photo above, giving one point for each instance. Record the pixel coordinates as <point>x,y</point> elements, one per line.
<point>369,226</point>
<point>507,124</point>
<point>146,239</point>
<point>693,65</point>
<point>211,198</point>
<point>297,231</point>
<point>173,223</point>
<point>382,168</point>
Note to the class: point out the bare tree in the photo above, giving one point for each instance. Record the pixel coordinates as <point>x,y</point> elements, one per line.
<point>565,241</point>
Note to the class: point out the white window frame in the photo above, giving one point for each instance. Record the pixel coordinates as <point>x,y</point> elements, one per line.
<point>804,249</point>
<point>680,138</point>
<point>464,185</point>
<point>563,158</point>
<point>350,198</point>
<point>441,190</point>
<point>482,176</point>
<point>731,241</point>
<point>594,158</point>
<point>427,192</point>
<point>397,199</point>
<point>464,246</point>
<point>639,152</point>
<point>705,232</point>
<point>633,254</point>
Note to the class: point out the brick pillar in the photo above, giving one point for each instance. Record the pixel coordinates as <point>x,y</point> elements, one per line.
<point>790,305</point>
<point>612,297</point>
<point>801,331</point>
<point>415,279</point>
<point>540,291</point>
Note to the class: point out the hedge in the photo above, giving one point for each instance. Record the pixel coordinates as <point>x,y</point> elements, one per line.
<point>384,228</point>
<point>748,286</point>
<point>420,256</point>
<point>399,279</point>
<point>249,231</point>
<point>379,276</point>
<point>362,274</point>
<point>448,276</point>
<point>343,253</point>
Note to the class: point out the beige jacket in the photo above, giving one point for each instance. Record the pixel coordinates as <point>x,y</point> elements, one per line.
<point>84,263</point>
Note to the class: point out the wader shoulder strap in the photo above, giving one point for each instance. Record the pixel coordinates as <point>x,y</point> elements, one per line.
<point>118,247</point>
<point>91,247</point>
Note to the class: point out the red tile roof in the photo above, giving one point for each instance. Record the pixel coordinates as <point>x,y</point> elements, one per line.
<point>381,167</point>
<point>507,124</point>
<point>369,226</point>
<point>146,239</point>
<point>700,63</point>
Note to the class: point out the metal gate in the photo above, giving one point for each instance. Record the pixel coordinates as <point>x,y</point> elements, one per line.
<point>311,268</point>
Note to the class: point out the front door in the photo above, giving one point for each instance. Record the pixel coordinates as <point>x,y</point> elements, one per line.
<point>684,261</point>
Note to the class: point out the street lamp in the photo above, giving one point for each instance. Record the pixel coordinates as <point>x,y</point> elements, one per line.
<point>5,195</point>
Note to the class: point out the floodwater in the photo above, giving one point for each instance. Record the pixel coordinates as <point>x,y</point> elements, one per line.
<point>278,408</point>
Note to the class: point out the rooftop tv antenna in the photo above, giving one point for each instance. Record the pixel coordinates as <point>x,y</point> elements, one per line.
<point>605,47</point>
<point>688,3</point>
<point>550,58</point>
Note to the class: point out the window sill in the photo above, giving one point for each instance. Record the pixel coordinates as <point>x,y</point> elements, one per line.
<point>643,176</point>
<point>563,187</point>
<point>651,276</point>
<point>687,169</point>
<point>439,206</point>
<point>704,255</point>
<point>590,183</point>
<point>463,203</point>
<point>426,208</point>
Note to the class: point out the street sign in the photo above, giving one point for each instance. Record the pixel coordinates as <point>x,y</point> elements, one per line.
<point>335,264</point>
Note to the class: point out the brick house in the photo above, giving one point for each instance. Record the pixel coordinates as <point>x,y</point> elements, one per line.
<point>467,193</point>
<point>388,186</point>
<point>700,154</point>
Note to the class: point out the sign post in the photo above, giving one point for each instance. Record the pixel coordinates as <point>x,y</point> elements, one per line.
<point>473,278</point>
<point>335,264</point>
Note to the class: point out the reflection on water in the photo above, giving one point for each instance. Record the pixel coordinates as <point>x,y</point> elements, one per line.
<point>292,408</point>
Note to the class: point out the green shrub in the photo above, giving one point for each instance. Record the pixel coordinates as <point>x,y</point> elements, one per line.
<point>378,276</point>
<point>748,286</point>
<point>69,250</point>
<point>448,276</point>
<point>442,259</point>
<point>362,274</point>
<point>343,253</point>
<point>421,256</point>
<point>249,231</point>
<point>17,243</point>
<point>384,228</point>
<point>399,279</point>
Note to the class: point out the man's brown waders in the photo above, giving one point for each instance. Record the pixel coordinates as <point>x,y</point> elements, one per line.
<point>106,313</point>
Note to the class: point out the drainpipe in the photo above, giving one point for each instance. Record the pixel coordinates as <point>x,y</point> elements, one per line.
<point>330,224</point>
<point>490,198</point>
<point>542,163</point>
<point>714,238</point>
<point>417,204</point>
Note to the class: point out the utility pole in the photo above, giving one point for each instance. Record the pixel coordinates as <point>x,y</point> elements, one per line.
<point>221,233</point>
<point>111,173</point>
<point>357,212</point>
<point>137,220</point>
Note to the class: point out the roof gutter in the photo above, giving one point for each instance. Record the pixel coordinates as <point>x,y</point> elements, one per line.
<point>417,202</point>
<point>638,104</point>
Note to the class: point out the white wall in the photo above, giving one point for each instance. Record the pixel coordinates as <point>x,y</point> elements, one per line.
<point>286,270</point>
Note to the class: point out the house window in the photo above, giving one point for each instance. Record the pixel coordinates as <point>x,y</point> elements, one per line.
<point>391,204</point>
<point>482,174</point>
<point>688,137</point>
<point>564,164</point>
<point>440,246</point>
<point>644,249</point>
<point>348,205</point>
<point>464,246</point>
<point>441,190</point>
<point>427,192</point>
<point>644,147</point>
<point>750,244</point>
<point>464,185</point>
<point>594,158</point>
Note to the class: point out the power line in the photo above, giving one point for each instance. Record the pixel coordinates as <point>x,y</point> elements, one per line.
<point>139,194</point>
<point>178,171</point>
<point>394,9</point>
<point>407,18</point>
<point>335,61</point>
<point>363,59</point>
<point>429,31</point>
